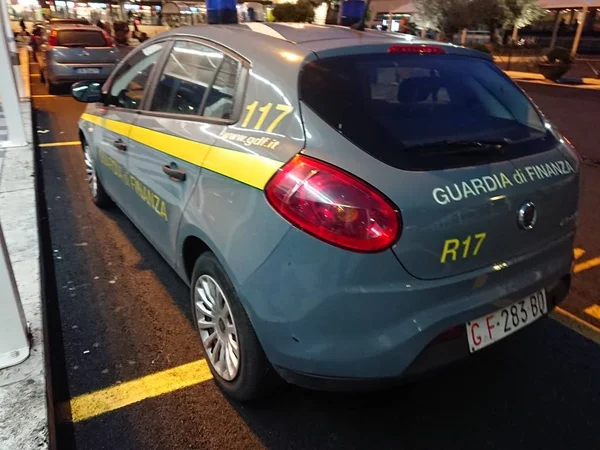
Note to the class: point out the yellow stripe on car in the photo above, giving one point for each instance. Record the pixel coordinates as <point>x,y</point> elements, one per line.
<point>248,168</point>
<point>184,149</point>
<point>251,169</point>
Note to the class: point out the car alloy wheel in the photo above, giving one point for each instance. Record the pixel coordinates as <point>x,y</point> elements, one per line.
<point>90,171</point>
<point>217,327</point>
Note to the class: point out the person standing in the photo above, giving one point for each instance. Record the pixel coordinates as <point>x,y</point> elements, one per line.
<point>22,24</point>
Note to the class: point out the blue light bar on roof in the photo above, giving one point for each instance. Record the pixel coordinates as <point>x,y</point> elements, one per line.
<point>351,11</point>
<point>221,11</point>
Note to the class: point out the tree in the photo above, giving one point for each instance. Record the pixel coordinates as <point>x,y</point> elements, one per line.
<point>521,13</point>
<point>294,12</point>
<point>491,13</point>
<point>448,16</point>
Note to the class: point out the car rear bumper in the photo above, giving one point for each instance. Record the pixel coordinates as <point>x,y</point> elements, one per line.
<point>325,313</point>
<point>63,73</point>
<point>444,350</point>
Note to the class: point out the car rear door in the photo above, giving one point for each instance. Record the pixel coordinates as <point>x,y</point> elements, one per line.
<point>193,100</point>
<point>478,176</point>
<point>126,92</point>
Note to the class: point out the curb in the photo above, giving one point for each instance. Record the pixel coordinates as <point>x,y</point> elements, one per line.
<point>57,389</point>
<point>587,83</point>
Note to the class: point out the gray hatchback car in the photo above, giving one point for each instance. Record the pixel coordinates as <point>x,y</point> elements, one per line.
<point>349,208</point>
<point>72,52</point>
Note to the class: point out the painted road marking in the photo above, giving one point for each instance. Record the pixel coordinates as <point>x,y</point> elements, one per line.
<point>100,402</point>
<point>576,324</point>
<point>60,144</point>
<point>34,75</point>
<point>115,397</point>
<point>589,264</point>
<point>593,311</point>
<point>43,96</point>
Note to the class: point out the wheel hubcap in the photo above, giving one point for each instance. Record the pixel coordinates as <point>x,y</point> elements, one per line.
<point>89,171</point>
<point>216,326</point>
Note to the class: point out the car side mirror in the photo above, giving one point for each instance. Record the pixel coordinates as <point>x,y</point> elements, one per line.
<point>87,91</point>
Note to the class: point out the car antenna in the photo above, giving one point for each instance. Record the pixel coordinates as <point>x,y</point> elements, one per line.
<point>360,25</point>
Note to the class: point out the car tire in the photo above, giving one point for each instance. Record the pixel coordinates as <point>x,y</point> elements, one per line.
<point>255,377</point>
<point>52,88</point>
<point>97,192</point>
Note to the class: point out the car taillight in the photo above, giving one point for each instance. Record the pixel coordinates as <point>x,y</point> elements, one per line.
<point>53,38</point>
<point>333,206</point>
<point>107,38</point>
<point>417,49</point>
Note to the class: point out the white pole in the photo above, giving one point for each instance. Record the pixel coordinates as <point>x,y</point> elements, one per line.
<point>577,40</point>
<point>12,48</point>
<point>390,22</point>
<point>515,34</point>
<point>463,36</point>
<point>14,344</point>
<point>8,87</point>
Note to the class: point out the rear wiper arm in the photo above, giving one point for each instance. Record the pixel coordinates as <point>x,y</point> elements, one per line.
<point>459,146</point>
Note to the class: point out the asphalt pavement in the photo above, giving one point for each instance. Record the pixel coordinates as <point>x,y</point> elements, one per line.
<point>119,313</point>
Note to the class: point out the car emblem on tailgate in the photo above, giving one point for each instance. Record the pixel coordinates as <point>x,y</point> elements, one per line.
<point>527,216</point>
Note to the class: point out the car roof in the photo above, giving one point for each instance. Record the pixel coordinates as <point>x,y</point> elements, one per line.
<point>258,42</point>
<point>62,20</point>
<point>74,26</point>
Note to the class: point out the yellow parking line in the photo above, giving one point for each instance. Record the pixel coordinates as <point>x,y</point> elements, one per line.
<point>43,96</point>
<point>99,402</point>
<point>578,252</point>
<point>576,324</point>
<point>593,311</point>
<point>590,263</point>
<point>60,144</point>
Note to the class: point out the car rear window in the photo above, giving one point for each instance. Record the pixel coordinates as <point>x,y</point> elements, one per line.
<point>409,110</point>
<point>81,38</point>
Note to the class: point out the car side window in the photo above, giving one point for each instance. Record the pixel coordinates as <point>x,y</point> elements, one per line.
<point>129,86</point>
<point>219,103</point>
<point>185,84</point>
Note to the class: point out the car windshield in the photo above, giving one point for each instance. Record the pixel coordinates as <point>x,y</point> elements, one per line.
<point>397,106</point>
<point>81,38</point>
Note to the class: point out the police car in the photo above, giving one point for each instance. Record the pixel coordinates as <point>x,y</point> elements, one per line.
<point>348,207</point>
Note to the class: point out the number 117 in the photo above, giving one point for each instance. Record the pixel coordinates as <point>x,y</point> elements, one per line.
<point>265,110</point>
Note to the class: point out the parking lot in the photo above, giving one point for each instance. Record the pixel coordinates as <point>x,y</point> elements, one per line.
<point>128,369</point>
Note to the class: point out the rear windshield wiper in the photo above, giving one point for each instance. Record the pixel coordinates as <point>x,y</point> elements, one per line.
<point>459,146</point>
<point>446,147</point>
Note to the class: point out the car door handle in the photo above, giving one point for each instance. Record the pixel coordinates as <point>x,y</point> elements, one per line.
<point>120,145</point>
<point>174,172</point>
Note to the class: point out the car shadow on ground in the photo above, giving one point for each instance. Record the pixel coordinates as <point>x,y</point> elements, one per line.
<point>535,389</point>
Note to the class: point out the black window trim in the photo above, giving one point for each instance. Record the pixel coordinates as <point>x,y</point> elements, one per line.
<point>117,71</point>
<point>238,97</point>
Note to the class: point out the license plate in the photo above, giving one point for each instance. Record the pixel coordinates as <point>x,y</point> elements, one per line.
<point>491,328</point>
<point>86,70</point>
